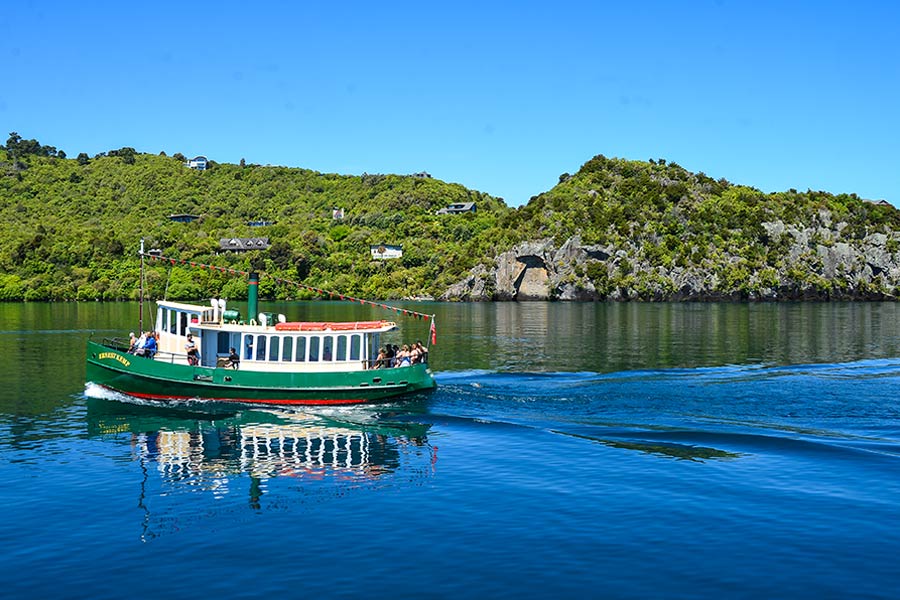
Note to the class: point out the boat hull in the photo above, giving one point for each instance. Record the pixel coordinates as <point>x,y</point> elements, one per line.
<point>159,380</point>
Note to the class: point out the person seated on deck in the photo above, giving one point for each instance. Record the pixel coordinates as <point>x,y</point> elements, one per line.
<point>423,352</point>
<point>380,359</point>
<point>149,349</point>
<point>193,357</point>
<point>415,354</point>
<point>388,356</point>
<point>132,343</point>
<point>403,357</point>
<point>234,360</point>
<point>138,346</point>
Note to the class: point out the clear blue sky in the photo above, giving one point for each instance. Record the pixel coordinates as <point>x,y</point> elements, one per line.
<point>500,97</point>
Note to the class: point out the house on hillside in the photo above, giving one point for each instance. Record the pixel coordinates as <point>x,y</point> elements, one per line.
<point>244,244</point>
<point>386,251</point>
<point>457,208</point>
<point>197,163</point>
<point>183,218</point>
<point>879,203</point>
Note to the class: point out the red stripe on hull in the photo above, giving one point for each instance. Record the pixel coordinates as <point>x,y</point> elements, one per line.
<point>323,402</point>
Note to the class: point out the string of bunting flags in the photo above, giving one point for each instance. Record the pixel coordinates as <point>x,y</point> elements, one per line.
<point>309,288</point>
<point>178,261</point>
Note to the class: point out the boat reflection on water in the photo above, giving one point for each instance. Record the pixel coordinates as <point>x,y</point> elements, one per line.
<point>241,452</point>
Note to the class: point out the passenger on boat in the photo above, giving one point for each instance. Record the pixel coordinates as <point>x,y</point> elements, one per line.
<point>415,353</point>
<point>389,353</point>
<point>403,357</point>
<point>149,349</point>
<point>138,346</point>
<point>193,357</point>
<point>132,342</point>
<point>234,359</point>
<point>423,352</point>
<point>380,360</point>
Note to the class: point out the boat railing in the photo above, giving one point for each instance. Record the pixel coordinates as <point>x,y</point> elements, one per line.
<point>117,343</point>
<point>172,357</point>
<point>385,363</point>
<point>123,345</point>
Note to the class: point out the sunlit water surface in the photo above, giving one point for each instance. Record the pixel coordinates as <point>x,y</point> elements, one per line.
<point>692,450</point>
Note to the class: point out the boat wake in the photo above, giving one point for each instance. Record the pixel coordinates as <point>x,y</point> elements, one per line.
<point>92,390</point>
<point>98,392</point>
<point>708,413</point>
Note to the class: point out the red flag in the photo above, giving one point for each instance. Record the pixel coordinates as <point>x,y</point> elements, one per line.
<point>433,333</point>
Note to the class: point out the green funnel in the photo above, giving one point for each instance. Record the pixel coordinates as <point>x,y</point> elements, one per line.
<point>252,296</point>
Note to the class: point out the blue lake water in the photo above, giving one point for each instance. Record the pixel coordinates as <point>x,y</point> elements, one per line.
<point>628,451</point>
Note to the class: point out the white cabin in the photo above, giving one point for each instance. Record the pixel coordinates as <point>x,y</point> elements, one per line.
<point>268,344</point>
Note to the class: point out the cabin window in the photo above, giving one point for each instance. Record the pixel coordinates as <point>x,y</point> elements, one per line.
<point>314,348</point>
<point>170,319</point>
<point>374,344</point>
<point>182,323</point>
<point>287,349</point>
<point>248,345</point>
<point>341,348</point>
<point>355,344</point>
<point>260,347</point>
<point>222,341</point>
<point>273,348</point>
<point>301,349</point>
<point>328,348</point>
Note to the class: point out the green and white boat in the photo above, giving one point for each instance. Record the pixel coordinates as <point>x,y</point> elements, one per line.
<point>281,362</point>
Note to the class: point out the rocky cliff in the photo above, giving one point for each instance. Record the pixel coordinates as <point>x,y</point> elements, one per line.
<point>814,262</point>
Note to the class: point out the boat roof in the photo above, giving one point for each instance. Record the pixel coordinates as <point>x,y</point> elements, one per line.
<point>304,328</point>
<point>182,306</point>
<point>292,327</point>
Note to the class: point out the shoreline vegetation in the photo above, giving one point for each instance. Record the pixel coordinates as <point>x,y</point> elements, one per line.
<point>619,230</point>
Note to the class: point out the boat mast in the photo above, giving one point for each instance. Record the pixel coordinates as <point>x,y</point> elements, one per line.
<point>141,310</point>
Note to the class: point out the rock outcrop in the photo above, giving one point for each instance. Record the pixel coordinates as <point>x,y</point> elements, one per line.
<point>807,263</point>
<point>531,271</point>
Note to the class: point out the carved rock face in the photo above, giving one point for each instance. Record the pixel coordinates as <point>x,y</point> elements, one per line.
<point>533,282</point>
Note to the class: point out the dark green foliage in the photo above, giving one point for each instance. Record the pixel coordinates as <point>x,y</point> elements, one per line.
<point>71,228</point>
<point>126,154</point>
<point>16,147</point>
<point>610,199</point>
<point>676,219</point>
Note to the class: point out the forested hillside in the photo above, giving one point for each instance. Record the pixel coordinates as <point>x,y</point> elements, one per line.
<point>656,231</point>
<point>71,230</point>
<point>71,227</point>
